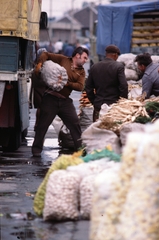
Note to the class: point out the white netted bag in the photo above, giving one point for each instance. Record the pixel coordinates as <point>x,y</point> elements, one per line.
<point>104,109</point>
<point>103,189</point>
<point>139,219</point>
<point>86,193</point>
<point>54,75</point>
<point>62,196</point>
<point>128,60</point>
<point>131,74</point>
<point>155,58</point>
<point>105,214</point>
<point>130,127</point>
<point>130,64</point>
<point>87,188</point>
<point>86,117</point>
<point>90,168</point>
<point>133,210</point>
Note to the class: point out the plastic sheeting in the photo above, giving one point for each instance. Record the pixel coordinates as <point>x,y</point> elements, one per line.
<point>115,23</point>
<point>20,18</point>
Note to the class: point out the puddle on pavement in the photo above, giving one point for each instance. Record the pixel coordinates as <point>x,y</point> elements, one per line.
<point>24,232</point>
<point>8,194</point>
<point>8,175</point>
<point>5,160</point>
<point>40,172</point>
<point>22,159</point>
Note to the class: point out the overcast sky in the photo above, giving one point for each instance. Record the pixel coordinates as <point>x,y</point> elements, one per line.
<point>57,7</point>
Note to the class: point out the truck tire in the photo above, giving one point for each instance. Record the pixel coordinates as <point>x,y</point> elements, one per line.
<point>43,20</point>
<point>14,140</point>
<point>24,133</point>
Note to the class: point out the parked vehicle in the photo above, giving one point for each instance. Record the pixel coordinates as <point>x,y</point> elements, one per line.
<point>131,25</point>
<point>19,30</point>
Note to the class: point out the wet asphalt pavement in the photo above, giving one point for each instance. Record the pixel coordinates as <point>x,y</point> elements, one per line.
<point>20,176</point>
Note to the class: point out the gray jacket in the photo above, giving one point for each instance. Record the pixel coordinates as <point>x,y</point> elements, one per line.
<point>150,80</point>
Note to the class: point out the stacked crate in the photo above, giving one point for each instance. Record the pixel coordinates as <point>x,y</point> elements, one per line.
<point>145,35</point>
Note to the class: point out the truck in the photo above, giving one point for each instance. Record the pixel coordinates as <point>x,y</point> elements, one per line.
<point>131,25</point>
<point>20,22</point>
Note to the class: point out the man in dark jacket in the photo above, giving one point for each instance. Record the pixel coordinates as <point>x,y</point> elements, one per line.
<point>106,82</point>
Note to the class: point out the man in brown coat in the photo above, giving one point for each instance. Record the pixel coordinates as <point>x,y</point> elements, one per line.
<point>58,103</point>
<point>106,82</point>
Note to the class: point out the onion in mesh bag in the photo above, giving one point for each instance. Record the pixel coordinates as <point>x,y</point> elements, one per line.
<point>54,75</point>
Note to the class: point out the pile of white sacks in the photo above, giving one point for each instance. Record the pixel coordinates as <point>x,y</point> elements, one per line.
<point>131,209</point>
<point>69,192</point>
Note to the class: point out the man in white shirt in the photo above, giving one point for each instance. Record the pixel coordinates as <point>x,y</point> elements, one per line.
<point>58,46</point>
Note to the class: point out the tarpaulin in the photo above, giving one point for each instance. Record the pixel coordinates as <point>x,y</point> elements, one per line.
<point>115,23</point>
<point>20,18</point>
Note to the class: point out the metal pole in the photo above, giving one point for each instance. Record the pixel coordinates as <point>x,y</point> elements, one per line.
<point>50,31</point>
<point>72,30</point>
<point>50,8</point>
<point>91,29</point>
<point>91,21</point>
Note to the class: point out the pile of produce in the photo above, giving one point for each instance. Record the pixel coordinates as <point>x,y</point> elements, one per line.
<point>69,192</point>
<point>124,111</point>
<point>134,89</point>
<point>61,198</point>
<point>128,111</point>
<point>61,163</point>
<point>132,85</point>
<point>152,108</point>
<point>62,194</point>
<point>145,33</point>
<point>84,101</point>
<point>110,208</point>
<point>132,209</point>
